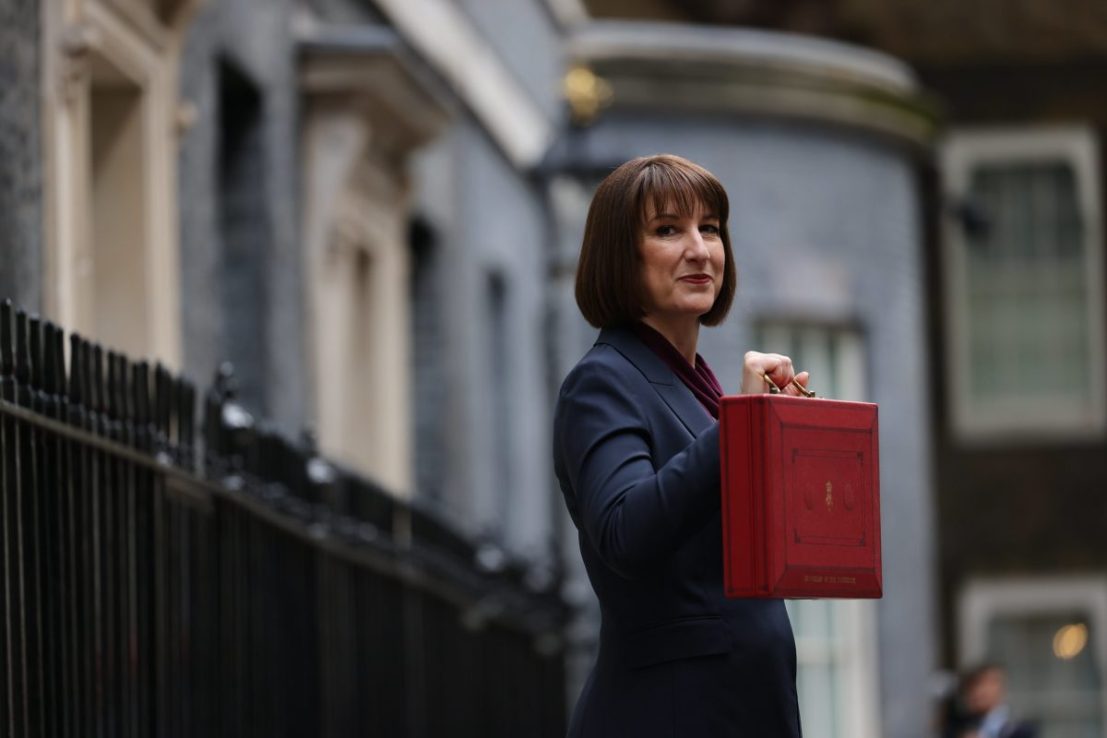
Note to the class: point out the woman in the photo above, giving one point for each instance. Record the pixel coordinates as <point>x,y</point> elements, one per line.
<point>636,450</point>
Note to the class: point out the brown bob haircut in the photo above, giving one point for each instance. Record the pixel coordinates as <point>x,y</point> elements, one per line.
<point>609,282</point>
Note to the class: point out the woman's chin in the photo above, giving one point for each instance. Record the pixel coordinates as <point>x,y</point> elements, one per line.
<point>688,312</point>
<point>698,309</point>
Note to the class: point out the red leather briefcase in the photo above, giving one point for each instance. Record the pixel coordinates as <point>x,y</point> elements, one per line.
<point>801,497</point>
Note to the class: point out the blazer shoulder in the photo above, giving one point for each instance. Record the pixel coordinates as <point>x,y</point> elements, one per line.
<point>604,366</point>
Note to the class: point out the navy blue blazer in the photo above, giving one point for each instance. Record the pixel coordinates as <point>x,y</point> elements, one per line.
<point>637,457</point>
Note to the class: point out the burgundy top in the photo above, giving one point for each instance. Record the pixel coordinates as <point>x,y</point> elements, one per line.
<point>699,378</point>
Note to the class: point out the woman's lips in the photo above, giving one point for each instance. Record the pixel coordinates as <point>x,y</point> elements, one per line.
<point>696,279</point>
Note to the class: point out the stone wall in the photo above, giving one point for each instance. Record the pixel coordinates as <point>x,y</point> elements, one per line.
<point>20,154</point>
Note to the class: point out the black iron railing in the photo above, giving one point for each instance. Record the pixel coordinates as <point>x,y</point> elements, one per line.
<point>159,582</point>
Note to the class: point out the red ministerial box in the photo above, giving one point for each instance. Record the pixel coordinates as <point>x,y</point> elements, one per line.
<point>801,497</point>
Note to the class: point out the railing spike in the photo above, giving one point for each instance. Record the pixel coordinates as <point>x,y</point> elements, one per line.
<point>34,345</point>
<point>161,406</point>
<point>74,384</point>
<point>141,393</point>
<point>86,383</point>
<point>57,340</point>
<point>7,356</point>
<point>111,408</point>
<point>187,423</point>
<point>22,350</point>
<point>51,355</point>
<point>98,397</point>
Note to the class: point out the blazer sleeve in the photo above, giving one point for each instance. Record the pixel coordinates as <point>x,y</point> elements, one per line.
<point>633,513</point>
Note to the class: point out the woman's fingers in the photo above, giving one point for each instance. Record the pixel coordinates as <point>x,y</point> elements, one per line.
<point>757,367</point>
<point>778,368</point>
<point>782,372</point>
<point>791,389</point>
<point>753,374</point>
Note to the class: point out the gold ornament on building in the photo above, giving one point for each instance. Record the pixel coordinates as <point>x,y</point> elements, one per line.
<point>586,94</point>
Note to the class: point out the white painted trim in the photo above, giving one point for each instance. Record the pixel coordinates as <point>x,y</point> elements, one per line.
<point>961,150</point>
<point>748,48</point>
<point>982,599</point>
<point>450,43</point>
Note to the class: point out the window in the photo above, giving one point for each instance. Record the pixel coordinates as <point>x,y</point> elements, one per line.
<point>1024,275</point>
<point>429,386</point>
<point>245,233</point>
<point>110,274</point>
<point>110,99</point>
<point>363,114</point>
<point>499,392</point>
<point>835,639</point>
<point>361,339</point>
<point>834,355</point>
<point>1048,633</point>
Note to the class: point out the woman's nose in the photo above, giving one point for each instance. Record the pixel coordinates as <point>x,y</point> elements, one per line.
<point>696,248</point>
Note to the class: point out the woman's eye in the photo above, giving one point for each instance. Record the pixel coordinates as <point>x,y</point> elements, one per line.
<point>665,230</point>
<point>712,229</point>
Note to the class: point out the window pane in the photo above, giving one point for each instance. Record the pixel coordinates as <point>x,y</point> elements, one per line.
<point>833,355</point>
<point>1026,288</point>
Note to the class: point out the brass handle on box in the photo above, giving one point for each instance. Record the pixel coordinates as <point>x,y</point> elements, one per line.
<point>774,390</point>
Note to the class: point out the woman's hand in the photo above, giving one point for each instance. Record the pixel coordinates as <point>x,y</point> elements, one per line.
<point>777,367</point>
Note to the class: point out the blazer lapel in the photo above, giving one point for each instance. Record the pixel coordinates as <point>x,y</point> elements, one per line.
<point>673,391</point>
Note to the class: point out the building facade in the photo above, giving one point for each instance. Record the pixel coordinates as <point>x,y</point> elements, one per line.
<point>336,197</point>
<point>1019,316</point>
<point>372,210</point>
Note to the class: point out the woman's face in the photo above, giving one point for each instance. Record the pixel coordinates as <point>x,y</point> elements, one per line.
<point>682,262</point>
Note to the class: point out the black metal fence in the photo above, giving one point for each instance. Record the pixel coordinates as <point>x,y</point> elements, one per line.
<point>164,577</point>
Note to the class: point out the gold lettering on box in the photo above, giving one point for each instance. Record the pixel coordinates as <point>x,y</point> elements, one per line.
<point>820,579</point>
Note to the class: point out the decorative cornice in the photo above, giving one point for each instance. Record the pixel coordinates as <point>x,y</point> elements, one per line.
<point>369,69</point>
<point>161,25</point>
<point>703,69</point>
<point>446,38</point>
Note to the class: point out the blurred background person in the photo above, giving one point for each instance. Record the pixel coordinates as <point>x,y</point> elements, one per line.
<point>979,708</point>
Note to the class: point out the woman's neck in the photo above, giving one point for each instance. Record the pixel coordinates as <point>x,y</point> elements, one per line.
<point>682,333</point>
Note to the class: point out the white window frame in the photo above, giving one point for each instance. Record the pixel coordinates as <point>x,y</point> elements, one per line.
<point>972,421</point>
<point>354,149</point>
<point>981,600</point>
<point>145,51</point>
